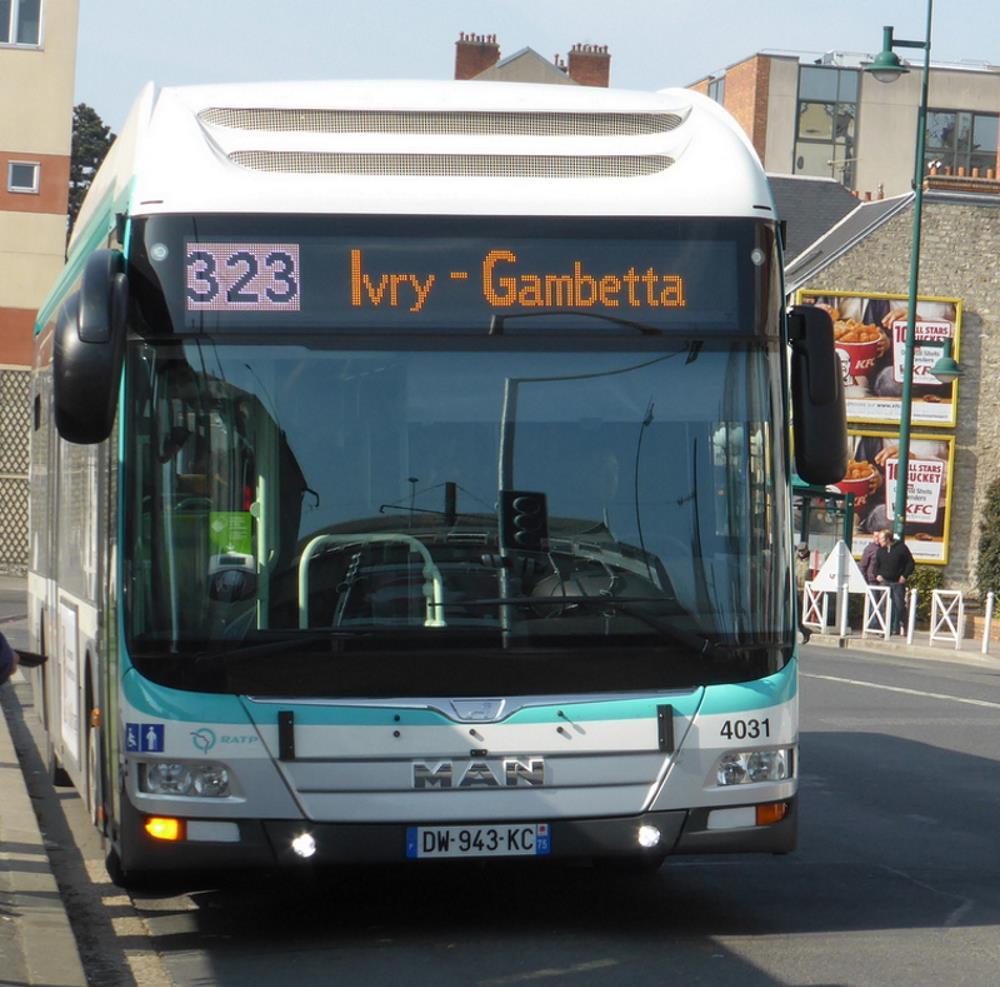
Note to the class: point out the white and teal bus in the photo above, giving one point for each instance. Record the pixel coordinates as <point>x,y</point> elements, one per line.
<point>410,480</point>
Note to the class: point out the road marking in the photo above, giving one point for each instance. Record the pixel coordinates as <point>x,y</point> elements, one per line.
<point>907,692</point>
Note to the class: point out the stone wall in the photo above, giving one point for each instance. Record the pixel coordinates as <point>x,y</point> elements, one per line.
<point>959,258</point>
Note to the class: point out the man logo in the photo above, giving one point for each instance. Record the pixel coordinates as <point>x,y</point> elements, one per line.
<point>511,773</point>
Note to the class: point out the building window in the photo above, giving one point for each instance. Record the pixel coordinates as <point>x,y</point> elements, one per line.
<point>961,139</point>
<point>717,90</point>
<point>22,176</point>
<point>21,22</point>
<point>826,123</point>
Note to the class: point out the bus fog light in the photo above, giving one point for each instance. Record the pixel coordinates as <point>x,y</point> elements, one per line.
<point>304,845</point>
<point>648,836</point>
<point>746,767</point>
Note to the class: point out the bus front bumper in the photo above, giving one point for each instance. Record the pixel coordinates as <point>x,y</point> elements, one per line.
<point>267,843</point>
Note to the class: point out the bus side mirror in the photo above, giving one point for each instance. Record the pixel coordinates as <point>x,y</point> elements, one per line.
<point>88,349</point>
<point>819,425</point>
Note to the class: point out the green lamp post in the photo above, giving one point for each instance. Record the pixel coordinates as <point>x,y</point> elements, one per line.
<point>887,67</point>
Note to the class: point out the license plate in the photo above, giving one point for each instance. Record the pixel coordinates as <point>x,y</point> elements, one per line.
<point>503,840</point>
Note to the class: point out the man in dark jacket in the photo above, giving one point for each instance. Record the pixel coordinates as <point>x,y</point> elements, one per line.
<point>893,566</point>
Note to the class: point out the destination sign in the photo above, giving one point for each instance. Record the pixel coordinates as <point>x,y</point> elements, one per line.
<point>387,282</point>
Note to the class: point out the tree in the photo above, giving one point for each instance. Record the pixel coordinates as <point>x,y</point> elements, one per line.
<point>988,564</point>
<point>91,140</point>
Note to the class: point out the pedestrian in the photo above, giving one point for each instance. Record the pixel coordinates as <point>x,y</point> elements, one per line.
<point>8,660</point>
<point>867,564</point>
<point>802,567</point>
<point>893,566</point>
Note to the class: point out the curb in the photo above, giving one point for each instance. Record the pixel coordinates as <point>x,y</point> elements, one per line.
<point>48,947</point>
<point>899,646</point>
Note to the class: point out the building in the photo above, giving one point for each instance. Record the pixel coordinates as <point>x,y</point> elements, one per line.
<point>37,68</point>
<point>818,120</point>
<point>477,56</point>
<point>866,256</point>
<point>821,115</point>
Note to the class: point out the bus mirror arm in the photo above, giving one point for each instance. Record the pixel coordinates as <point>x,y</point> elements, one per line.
<point>818,417</point>
<point>88,347</point>
<point>30,659</point>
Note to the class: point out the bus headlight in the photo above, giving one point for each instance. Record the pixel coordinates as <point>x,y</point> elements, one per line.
<point>746,767</point>
<point>209,780</point>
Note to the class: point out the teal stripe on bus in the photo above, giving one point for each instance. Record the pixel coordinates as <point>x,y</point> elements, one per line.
<point>94,235</point>
<point>164,703</point>
<point>199,707</point>
<point>744,697</point>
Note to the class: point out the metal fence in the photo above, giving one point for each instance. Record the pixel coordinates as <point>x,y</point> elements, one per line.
<point>15,420</point>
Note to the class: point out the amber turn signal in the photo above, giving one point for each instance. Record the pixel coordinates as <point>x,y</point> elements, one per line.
<point>165,828</point>
<point>771,812</point>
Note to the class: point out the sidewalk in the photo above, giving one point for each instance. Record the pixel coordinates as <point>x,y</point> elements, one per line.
<point>37,945</point>
<point>969,650</point>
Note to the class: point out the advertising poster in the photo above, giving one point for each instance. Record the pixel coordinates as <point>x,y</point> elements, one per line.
<point>870,337</point>
<point>872,475</point>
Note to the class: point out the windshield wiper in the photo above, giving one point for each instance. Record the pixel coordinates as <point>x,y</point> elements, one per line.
<point>238,649</point>
<point>497,320</point>
<point>622,604</point>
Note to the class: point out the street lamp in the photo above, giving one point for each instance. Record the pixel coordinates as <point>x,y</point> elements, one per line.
<point>887,67</point>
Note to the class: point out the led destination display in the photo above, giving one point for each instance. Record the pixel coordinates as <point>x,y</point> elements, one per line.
<point>678,275</point>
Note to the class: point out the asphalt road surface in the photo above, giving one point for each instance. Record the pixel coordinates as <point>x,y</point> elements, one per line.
<point>896,879</point>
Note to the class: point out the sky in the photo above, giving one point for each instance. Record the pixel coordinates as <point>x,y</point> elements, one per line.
<point>653,43</point>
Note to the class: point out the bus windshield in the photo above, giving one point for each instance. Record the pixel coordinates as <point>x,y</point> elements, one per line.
<point>284,493</point>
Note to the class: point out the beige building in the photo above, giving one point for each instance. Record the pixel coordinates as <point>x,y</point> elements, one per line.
<point>37,67</point>
<point>822,115</point>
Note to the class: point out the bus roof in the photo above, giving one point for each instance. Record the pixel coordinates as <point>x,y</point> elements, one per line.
<point>434,148</point>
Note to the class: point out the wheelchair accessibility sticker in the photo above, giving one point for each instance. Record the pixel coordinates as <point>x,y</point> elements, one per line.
<point>144,737</point>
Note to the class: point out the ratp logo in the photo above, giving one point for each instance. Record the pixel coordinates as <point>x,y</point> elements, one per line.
<point>203,739</point>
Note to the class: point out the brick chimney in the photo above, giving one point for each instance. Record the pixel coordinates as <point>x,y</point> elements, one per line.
<point>474,53</point>
<point>590,65</point>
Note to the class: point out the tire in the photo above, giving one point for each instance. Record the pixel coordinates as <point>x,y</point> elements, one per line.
<point>128,880</point>
<point>54,770</point>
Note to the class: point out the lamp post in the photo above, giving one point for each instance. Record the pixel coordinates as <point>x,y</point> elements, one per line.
<point>887,67</point>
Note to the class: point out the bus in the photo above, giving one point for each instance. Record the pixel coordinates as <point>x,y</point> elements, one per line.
<point>410,481</point>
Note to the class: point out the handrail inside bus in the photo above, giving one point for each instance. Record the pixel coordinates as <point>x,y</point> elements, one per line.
<point>433,587</point>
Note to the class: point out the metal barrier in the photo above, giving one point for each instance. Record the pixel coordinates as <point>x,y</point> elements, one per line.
<point>947,616</point>
<point>877,611</point>
<point>814,607</point>
<point>911,613</point>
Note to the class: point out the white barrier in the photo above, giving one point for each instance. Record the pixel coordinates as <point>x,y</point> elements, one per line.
<point>911,614</point>
<point>877,611</point>
<point>814,607</point>
<point>947,616</point>
<point>988,625</point>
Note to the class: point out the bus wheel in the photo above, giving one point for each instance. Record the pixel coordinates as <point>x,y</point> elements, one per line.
<point>57,774</point>
<point>129,880</point>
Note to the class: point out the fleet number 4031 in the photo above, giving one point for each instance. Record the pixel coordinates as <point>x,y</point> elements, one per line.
<point>744,729</point>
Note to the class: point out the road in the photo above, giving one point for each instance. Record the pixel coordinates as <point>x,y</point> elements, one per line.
<point>896,879</point>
